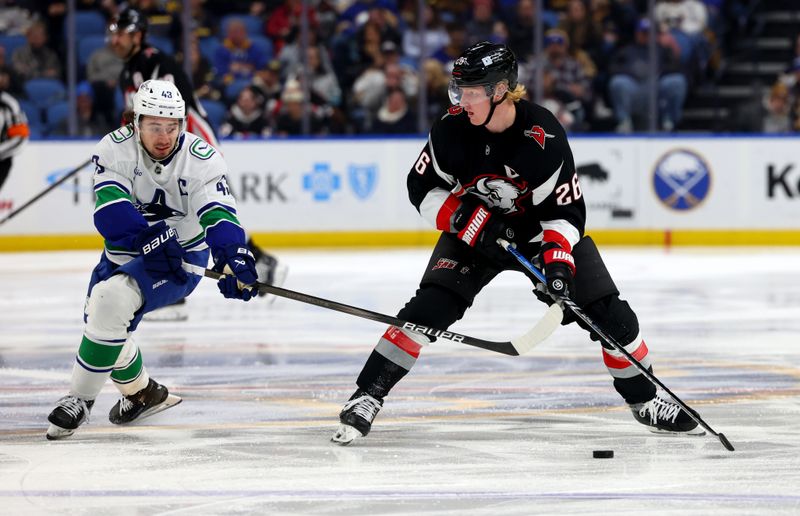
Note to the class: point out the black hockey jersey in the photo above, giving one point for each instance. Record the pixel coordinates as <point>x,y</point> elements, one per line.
<point>526,175</point>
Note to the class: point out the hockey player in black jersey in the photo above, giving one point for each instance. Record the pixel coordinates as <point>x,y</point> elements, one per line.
<point>497,166</point>
<point>127,38</point>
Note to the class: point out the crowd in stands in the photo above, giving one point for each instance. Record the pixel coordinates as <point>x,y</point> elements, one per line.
<point>362,66</point>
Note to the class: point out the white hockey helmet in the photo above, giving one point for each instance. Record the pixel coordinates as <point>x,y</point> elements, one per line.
<point>158,98</point>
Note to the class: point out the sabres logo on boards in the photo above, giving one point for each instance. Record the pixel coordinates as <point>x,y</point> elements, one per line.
<point>538,134</point>
<point>681,179</point>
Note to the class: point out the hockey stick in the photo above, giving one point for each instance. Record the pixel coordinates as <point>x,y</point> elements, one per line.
<point>567,302</point>
<point>546,325</point>
<point>44,192</point>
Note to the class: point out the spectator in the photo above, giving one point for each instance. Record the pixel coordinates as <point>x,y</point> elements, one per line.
<point>14,130</point>
<point>246,117</point>
<point>203,76</point>
<point>520,30</point>
<point>13,85</point>
<point>629,72</point>
<point>355,11</point>
<point>283,25</point>
<point>35,59</point>
<point>322,80</point>
<point>290,114</point>
<point>688,20</point>
<point>571,86</point>
<point>777,108</point>
<point>268,82</point>
<point>90,122</point>
<point>371,87</point>
<point>238,58</point>
<point>14,20</point>
<point>481,26</point>
<point>394,116</point>
<point>447,54</point>
<point>160,23</point>
<point>102,72</point>
<point>436,82</point>
<point>433,36</point>
<point>688,16</point>
<point>584,40</point>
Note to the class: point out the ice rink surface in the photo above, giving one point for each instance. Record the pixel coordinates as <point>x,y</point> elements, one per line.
<point>466,432</point>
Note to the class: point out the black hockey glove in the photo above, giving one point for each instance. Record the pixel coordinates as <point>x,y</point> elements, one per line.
<point>559,269</point>
<point>161,253</point>
<point>480,228</point>
<point>239,265</point>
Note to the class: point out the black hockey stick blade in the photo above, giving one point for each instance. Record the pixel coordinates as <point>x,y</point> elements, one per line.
<point>44,192</point>
<point>568,303</point>
<point>515,347</point>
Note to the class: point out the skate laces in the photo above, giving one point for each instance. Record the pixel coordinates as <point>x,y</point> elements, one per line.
<point>72,405</point>
<point>660,408</point>
<point>125,404</point>
<point>365,406</point>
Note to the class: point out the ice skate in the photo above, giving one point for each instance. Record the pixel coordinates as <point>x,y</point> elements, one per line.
<point>664,416</point>
<point>70,413</point>
<point>356,417</point>
<point>151,400</point>
<point>175,312</point>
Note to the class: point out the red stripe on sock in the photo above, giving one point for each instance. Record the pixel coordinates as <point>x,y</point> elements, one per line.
<point>613,362</point>
<point>402,341</point>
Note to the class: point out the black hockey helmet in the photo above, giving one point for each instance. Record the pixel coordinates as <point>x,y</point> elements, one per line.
<point>129,20</point>
<point>486,64</point>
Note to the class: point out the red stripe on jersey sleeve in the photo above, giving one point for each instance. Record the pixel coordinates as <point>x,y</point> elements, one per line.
<point>554,236</point>
<point>445,213</point>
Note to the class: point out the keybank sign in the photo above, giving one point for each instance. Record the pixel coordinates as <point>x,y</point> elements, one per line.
<point>324,180</point>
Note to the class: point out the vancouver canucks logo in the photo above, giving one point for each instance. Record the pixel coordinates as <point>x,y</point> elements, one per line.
<point>157,209</point>
<point>498,192</point>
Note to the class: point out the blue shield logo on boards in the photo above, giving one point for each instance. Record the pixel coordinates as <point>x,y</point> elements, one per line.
<point>322,182</point>
<point>681,179</point>
<point>362,179</point>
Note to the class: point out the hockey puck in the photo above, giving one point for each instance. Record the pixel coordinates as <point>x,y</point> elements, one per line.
<point>603,454</point>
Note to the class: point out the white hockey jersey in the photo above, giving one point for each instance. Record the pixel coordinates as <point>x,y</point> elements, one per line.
<point>188,191</point>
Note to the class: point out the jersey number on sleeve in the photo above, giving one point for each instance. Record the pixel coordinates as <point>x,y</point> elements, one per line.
<point>568,192</point>
<point>99,169</point>
<point>422,163</point>
<point>222,186</point>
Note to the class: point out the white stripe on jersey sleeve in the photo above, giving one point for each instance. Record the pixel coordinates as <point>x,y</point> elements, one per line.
<point>562,227</point>
<point>439,172</point>
<point>432,203</point>
<point>543,191</point>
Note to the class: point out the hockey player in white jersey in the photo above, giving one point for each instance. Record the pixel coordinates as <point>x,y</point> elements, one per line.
<point>162,199</point>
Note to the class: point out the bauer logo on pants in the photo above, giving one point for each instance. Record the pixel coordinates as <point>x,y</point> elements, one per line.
<point>681,179</point>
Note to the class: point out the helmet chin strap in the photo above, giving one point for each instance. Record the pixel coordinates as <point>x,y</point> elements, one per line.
<point>492,108</point>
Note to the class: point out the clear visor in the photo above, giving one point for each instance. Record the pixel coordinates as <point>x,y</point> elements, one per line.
<point>469,94</point>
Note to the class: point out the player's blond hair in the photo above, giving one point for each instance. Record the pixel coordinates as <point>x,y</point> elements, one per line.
<point>519,93</point>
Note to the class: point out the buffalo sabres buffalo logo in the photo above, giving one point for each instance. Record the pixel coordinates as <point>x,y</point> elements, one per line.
<point>538,134</point>
<point>498,192</point>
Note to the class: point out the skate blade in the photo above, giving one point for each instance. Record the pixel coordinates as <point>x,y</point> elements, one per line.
<point>55,433</point>
<point>170,402</point>
<point>698,431</point>
<point>345,435</point>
